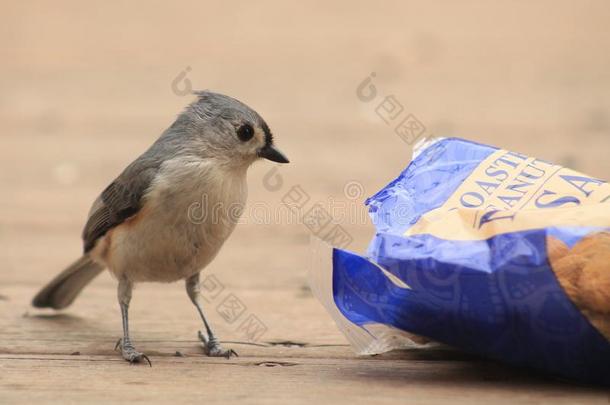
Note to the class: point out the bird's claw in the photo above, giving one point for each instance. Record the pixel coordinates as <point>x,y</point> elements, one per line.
<point>130,354</point>
<point>213,348</point>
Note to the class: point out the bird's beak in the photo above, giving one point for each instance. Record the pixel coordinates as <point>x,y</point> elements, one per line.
<point>270,152</point>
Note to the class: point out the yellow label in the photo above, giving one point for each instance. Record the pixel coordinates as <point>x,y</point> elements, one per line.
<point>510,192</point>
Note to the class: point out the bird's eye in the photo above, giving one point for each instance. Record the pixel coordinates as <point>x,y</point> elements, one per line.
<point>245,132</point>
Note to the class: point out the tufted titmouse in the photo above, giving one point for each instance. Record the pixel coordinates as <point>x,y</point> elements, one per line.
<point>140,228</point>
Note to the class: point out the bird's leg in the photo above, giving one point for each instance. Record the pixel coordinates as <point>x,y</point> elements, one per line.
<point>211,345</point>
<point>128,352</point>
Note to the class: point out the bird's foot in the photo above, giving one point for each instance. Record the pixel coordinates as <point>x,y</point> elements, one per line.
<point>212,347</point>
<point>129,352</point>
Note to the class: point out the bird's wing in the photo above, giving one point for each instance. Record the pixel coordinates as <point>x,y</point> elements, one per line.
<point>119,201</point>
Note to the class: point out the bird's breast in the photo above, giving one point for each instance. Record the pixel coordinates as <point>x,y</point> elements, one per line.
<point>187,216</point>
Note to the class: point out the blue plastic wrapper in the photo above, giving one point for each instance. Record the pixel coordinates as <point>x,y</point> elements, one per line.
<point>462,255</point>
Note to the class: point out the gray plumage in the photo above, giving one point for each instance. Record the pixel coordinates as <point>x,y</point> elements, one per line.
<point>141,227</point>
<point>66,286</point>
<point>200,130</point>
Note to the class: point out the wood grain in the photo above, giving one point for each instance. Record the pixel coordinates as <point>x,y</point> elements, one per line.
<point>87,87</point>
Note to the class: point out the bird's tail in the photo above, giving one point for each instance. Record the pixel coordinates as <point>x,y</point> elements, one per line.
<point>64,288</point>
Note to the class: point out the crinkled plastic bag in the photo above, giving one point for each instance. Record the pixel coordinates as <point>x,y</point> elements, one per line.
<point>483,249</point>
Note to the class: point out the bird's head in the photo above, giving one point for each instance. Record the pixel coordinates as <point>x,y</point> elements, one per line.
<point>226,129</point>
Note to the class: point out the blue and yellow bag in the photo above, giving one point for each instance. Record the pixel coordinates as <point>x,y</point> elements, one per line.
<point>486,250</point>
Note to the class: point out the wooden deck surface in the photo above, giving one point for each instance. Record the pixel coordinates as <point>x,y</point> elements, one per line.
<point>85,89</point>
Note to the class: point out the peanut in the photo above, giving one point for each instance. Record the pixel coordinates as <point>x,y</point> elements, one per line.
<point>594,284</point>
<point>556,249</point>
<point>584,274</point>
<point>591,244</point>
<point>568,271</point>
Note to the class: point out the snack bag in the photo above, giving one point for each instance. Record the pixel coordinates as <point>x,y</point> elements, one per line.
<point>486,250</point>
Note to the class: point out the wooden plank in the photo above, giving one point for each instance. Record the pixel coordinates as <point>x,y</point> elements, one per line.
<point>102,378</point>
<point>83,94</point>
<point>69,357</point>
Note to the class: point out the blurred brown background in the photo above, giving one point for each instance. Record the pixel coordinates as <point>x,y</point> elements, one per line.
<point>86,87</point>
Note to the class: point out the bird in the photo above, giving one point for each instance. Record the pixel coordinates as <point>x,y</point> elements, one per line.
<point>142,227</point>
